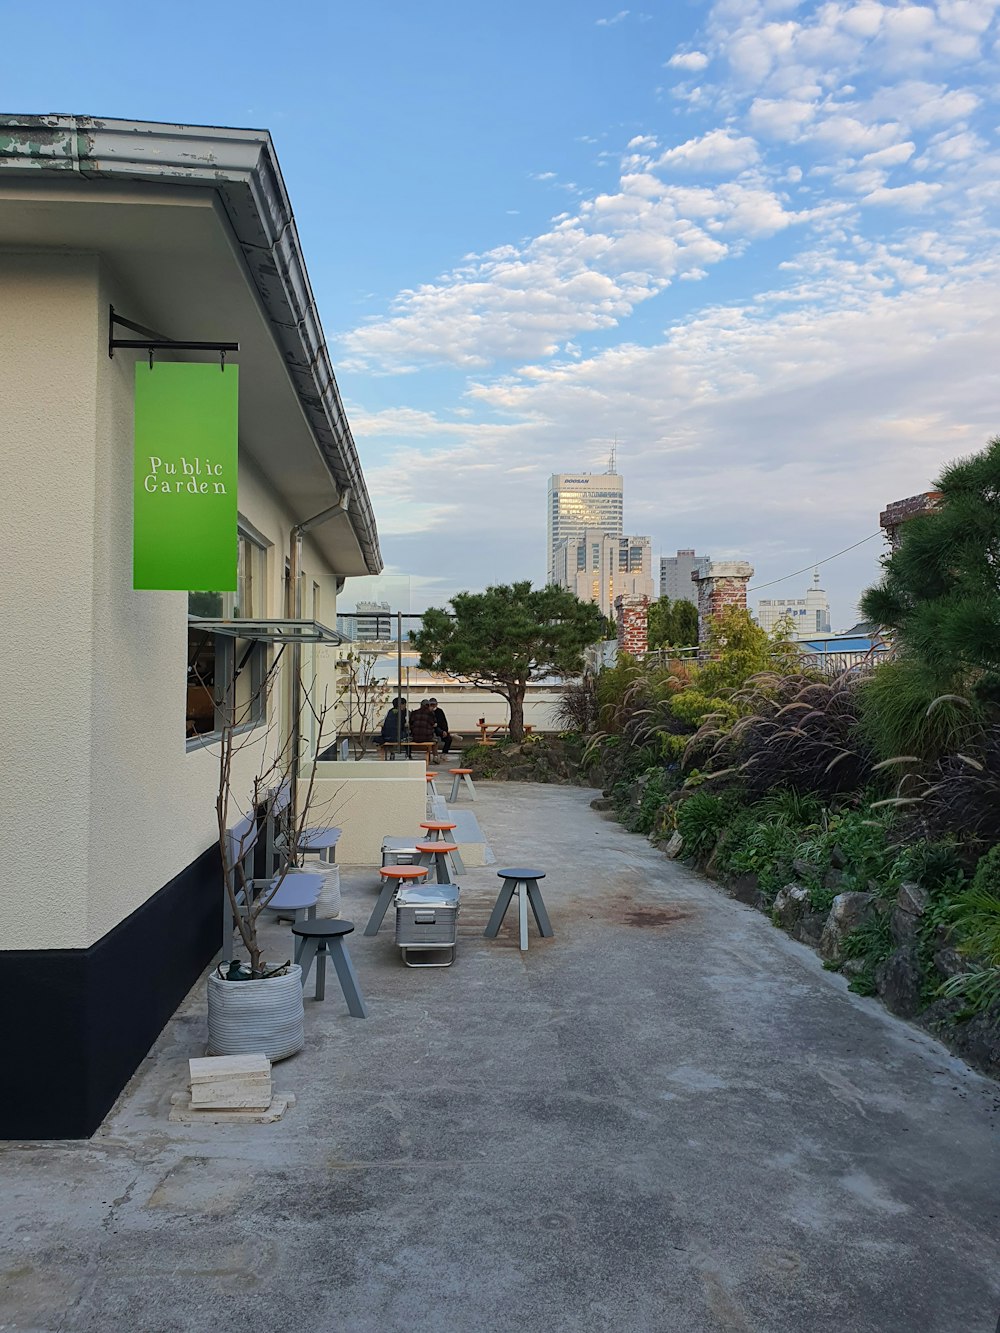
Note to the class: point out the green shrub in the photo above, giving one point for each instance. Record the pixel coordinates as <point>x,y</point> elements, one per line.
<point>701,817</point>
<point>898,719</point>
<point>761,847</point>
<point>660,784</point>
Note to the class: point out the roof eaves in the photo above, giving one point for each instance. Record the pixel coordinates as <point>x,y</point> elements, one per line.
<point>241,166</point>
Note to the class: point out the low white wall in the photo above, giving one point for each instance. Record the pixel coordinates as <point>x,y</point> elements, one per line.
<point>369,800</point>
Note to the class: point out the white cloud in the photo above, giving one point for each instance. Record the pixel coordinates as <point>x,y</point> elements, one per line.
<point>891,156</point>
<point>688,60</point>
<point>917,195</point>
<point>719,151</point>
<point>780,118</point>
<point>615,18</point>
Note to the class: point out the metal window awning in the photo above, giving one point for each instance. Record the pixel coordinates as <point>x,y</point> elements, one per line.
<point>269,631</point>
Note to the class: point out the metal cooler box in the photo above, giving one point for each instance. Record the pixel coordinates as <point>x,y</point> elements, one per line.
<point>427,919</point>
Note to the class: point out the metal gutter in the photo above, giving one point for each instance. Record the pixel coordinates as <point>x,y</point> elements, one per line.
<point>241,166</point>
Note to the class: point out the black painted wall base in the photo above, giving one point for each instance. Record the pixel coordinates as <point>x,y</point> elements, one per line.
<point>77,1022</point>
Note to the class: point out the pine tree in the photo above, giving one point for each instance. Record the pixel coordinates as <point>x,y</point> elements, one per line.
<point>940,592</point>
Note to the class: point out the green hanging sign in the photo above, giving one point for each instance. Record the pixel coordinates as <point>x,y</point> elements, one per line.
<point>186,450</point>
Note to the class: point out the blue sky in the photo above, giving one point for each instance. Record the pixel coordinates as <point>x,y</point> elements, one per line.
<point>757,240</point>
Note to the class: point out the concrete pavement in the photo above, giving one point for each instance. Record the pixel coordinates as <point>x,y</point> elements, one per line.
<point>667,1119</point>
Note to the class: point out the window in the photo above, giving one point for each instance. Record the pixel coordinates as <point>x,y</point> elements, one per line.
<point>225,675</point>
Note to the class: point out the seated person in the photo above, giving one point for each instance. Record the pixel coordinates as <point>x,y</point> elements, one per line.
<point>440,726</point>
<point>394,726</point>
<point>422,724</point>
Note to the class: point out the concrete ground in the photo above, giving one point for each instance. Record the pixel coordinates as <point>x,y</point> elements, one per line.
<point>667,1119</point>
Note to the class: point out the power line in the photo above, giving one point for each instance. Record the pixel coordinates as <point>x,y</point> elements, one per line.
<point>814,564</point>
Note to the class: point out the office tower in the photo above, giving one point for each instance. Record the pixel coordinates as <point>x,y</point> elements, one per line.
<point>675,575</point>
<point>597,565</point>
<point>581,500</point>
<point>806,615</point>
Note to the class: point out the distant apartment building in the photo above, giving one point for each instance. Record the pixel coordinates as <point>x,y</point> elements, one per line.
<point>676,575</point>
<point>807,615</point>
<point>578,501</point>
<point>373,620</point>
<point>598,566</point>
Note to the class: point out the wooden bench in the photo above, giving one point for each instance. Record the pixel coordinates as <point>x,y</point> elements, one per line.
<point>429,748</point>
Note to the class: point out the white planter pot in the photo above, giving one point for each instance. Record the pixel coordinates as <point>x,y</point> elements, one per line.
<point>329,896</point>
<point>247,1017</point>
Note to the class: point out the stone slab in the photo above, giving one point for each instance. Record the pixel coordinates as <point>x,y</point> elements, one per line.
<point>182,1112</point>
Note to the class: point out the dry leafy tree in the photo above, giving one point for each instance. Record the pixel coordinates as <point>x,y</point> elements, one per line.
<point>366,696</point>
<point>275,795</point>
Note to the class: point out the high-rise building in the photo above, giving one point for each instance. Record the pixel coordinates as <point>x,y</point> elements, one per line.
<point>807,615</point>
<point>597,566</point>
<point>581,500</point>
<point>675,575</point>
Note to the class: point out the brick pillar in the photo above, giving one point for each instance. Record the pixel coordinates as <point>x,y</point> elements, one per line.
<point>632,614</point>
<point>720,584</point>
<point>899,512</point>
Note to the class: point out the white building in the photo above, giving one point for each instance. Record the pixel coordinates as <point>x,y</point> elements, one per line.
<point>807,615</point>
<point>112,876</point>
<point>579,500</point>
<point>373,621</point>
<point>598,565</point>
<point>676,575</point>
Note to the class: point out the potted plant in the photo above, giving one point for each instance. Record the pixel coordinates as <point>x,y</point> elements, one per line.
<point>255,1003</point>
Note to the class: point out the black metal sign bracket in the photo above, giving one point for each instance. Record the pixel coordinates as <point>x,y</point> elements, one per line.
<point>152,342</point>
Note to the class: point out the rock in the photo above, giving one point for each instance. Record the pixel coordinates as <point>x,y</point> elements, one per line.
<point>911,903</point>
<point>837,857</point>
<point>834,881</point>
<point>853,967</point>
<point>673,847</point>
<point>809,928</point>
<point>602,803</point>
<point>790,904</point>
<point>912,898</point>
<point>745,889</point>
<point>897,981</point>
<point>976,1039</point>
<point>949,962</point>
<point>804,869</point>
<point>711,866</point>
<point>847,912</point>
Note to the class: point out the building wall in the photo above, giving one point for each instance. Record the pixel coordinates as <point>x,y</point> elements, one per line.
<point>604,584</point>
<point>370,800</point>
<point>807,615</point>
<point>49,334</point>
<point>675,575</point>
<point>102,700</point>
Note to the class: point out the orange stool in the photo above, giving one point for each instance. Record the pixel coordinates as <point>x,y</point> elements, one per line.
<point>430,782</point>
<point>438,854</point>
<point>435,827</point>
<point>392,877</point>
<point>461,775</point>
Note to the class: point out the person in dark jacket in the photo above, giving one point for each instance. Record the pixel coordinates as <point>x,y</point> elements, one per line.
<point>440,726</point>
<point>422,723</point>
<point>394,726</point>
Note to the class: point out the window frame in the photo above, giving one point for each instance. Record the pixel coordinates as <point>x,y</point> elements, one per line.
<point>231,657</point>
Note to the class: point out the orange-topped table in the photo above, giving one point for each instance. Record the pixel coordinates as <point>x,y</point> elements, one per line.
<point>392,877</point>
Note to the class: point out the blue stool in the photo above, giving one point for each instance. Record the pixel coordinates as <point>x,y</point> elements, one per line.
<point>525,882</point>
